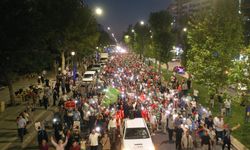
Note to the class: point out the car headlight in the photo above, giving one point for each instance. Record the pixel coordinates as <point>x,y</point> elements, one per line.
<point>125,148</point>
<point>152,148</point>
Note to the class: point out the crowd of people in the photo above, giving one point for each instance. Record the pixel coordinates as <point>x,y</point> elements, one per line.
<point>171,107</point>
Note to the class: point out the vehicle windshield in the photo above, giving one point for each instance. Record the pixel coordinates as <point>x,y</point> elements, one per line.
<point>136,133</point>
<point>97,66</point>
<point>87,75</point>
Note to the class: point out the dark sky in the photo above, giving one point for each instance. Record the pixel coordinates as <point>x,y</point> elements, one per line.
<point>118,14</point>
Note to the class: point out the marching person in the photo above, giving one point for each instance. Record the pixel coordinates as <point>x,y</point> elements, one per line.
<point>105,141</point>
<point>187,141</point>
<point>60,145</point>
<point>44,145</point>
<point>93,140</point>
<point>42,135</point>
<point>112,129</point>
<point>21,125</point>
<point>170,125</point>
<point>227,136</point>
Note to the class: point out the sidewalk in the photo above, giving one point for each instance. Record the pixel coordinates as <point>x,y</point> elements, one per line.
<point>22,83</point>
<point>8,128</point>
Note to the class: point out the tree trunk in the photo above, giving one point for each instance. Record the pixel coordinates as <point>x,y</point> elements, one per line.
<point>159,70</point>
<point>167,66</point>
<point>10,87</point>
<point>11,93</point>
<point>63,60</point>
<point>159,67</point>
<point>55,67</point>
<point>155,63</point>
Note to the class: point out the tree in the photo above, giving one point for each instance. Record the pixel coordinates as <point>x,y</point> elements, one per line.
<point>239,73</point>
<point>69,27</point>
<point>163,38</point>
<point>33,32</point>
<point>21,42</point>
<point>104,38</point>
<point>215,38</point>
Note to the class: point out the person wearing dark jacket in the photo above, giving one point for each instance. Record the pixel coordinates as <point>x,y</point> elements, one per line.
<point>41,135</point>
<point>178,136</point>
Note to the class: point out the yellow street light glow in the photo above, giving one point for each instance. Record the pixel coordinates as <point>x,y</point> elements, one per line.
<point>98,11</point>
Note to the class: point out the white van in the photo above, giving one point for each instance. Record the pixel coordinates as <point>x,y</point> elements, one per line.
<point>104,57</point>
<point>89,76</point>
<point>136,135</point>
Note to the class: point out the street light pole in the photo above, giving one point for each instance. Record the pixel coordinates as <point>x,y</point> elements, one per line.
<point>74,67</point>
<point>142,49</point>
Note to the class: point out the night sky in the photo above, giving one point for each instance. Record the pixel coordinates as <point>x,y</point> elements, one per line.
<point>118,14</point>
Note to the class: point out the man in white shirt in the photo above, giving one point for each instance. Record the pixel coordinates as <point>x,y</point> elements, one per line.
<point>21,124</point>
<point>93,140</point>
<point>196,95</point>
<point>219,127</point>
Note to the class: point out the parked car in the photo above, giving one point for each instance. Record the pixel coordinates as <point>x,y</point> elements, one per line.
<point>179,69</point>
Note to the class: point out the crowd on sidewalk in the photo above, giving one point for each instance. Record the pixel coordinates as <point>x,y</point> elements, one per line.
<point>171,107</point>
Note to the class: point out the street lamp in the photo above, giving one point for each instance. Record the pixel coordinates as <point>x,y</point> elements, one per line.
<point>73,53</point>
<point>133,30</point>
<point>98,11</point>
<point>142,23</point>
<point>185,29</point>
<point>126,36</point>
<point>108,28</point>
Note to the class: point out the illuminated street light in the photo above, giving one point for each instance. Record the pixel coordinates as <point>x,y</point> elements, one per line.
<point>97,47</point>
<point>73,53</point>
<point>98,11</point>
<point>142,23</point>
<point>108,28</point>
<point>126,36</point>
<point>185,29</point>
<point>133,30</point>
